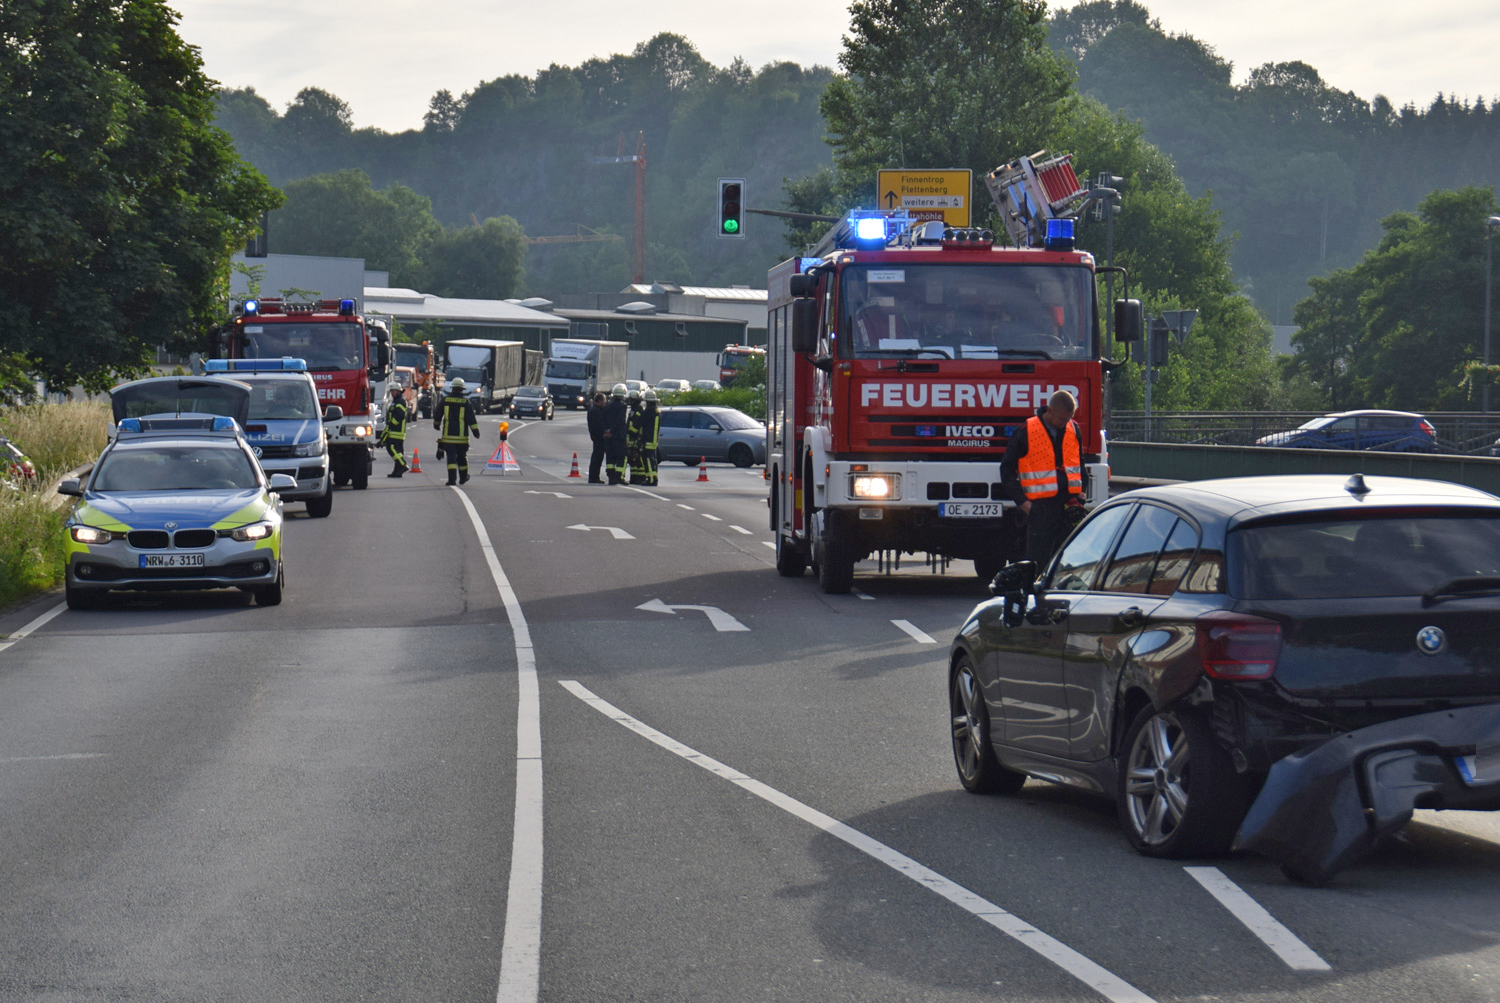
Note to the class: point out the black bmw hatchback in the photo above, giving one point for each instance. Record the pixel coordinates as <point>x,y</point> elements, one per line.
<point>1289,665</point>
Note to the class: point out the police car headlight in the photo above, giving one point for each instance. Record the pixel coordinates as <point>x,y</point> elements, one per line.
<point>88,534</point>
<point>875,486</point>
<point>307,449</point>
<point>254,531</point>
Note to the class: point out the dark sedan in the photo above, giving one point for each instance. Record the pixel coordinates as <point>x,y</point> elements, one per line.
<point>532,402</point>
<point>1285,664</point>
<point>1386,431</point>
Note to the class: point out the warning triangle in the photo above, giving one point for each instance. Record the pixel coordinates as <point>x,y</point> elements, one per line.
<point>502,460</point>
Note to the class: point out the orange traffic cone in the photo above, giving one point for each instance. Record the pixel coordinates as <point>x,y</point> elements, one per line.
<point>702,468</point>
<point>416,461</point>
<point>574,472</point>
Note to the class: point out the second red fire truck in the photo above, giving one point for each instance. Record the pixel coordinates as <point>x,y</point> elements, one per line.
<point>904,353</point>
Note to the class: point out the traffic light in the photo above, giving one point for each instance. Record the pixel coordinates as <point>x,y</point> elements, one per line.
<point>731,207</point>
<point>1109,205</point>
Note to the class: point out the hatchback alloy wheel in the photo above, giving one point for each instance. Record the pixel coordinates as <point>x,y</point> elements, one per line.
<point>1156,781</point>
<point>1179,793</point>
<point>978,769</point>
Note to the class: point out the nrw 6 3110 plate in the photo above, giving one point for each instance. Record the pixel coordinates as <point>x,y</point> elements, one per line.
<point>171,560</point>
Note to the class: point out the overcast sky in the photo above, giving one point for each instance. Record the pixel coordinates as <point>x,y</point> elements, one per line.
<point>387,58</point>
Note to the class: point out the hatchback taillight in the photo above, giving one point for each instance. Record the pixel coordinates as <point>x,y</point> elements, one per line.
<point>1237,645</point>
<point>1427,427</point>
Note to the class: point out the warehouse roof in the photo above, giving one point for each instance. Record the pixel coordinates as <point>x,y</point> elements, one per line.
<point>408,303</point>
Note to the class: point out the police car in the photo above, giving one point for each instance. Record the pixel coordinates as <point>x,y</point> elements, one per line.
<point>285,427</point>
<point>177,500</point>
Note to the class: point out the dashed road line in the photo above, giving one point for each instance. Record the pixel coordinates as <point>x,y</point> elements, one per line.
<point>63,755</point>
<point>862,595</point>
<point>643,491</point>
<point>688,507</point>
<point>1257,920</point>
<point>1087,971</point>
<point>740,529</point>
<point>768,543</point>
<point>713,517</point>
<point>35,624</point>
<point>918,635</point>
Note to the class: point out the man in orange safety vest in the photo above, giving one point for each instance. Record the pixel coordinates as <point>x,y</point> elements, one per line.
<point>1043,473</point>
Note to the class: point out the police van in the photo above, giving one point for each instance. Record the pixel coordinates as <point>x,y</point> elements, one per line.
<point>285,425</point>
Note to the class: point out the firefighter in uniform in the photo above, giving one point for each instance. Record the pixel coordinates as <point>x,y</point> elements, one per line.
<point>455,422</point>
<point>635,438</point>
<point>616,420</point>
<point>1043,473</point>
<point>395,430</point>
<point>651,419</point>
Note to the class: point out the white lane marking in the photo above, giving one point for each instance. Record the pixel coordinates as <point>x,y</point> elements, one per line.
<point>721,620</point>
<point>65,755</point>
<point>768,543</point>
<point>643,491</point>
<point>35,624</point>
<point>1259,922</point>
<point>753,473</point>
<point>918,635</point>
<point>740,529</point>
<point>688,507</point>
<point>521,944</point>
<point>713,517</point>
<point>1102,981</point>
<point>862,595</point>
<point>555,494</point>
<point>615,531</point>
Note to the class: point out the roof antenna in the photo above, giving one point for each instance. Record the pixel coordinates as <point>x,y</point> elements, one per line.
<point>1356,486</point>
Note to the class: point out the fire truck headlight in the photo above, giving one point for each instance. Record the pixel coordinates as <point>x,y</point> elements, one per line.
<point>361,430</point>
<point>886,486</point>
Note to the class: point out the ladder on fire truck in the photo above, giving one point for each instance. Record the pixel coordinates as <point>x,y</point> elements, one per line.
<point>1029,191</point>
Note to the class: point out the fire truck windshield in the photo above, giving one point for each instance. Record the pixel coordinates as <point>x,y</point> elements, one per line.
<point>965,311</point>
<point>325,347</point>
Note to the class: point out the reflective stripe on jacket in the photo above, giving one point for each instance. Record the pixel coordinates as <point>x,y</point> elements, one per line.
<point>1038,468</point>
<point>455,420</point>
<point>395,421</point>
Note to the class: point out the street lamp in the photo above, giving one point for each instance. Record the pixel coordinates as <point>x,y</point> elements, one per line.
<point>1489,228</point>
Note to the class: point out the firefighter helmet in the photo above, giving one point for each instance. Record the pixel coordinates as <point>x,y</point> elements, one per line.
<point>650,396</point>
<point>618,390</point>
<point>457,383</point>
<point>635,394</point>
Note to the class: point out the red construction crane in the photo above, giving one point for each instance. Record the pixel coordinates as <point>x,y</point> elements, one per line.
<point>639,160</point>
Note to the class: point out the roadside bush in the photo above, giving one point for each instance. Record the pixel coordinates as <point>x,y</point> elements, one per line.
<point>751,400</point>
<point>57,437</point>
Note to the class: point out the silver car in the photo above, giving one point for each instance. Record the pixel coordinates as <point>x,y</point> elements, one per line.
<point>715,434</point>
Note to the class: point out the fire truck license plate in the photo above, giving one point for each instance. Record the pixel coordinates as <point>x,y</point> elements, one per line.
<point>971,510</point>
<point>171,560</point>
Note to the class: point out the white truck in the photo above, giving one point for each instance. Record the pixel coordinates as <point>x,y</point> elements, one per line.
<point>577,368</point>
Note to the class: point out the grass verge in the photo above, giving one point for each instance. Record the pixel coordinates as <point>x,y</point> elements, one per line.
<point>57,437</point>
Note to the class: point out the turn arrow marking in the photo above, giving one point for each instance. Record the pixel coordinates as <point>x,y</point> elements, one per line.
<point>556,494</point>
<point>615,531</point>
<point>721,620</point>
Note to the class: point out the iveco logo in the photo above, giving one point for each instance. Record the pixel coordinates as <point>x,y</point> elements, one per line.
<point>257,452</point>
<point>1432,641</point>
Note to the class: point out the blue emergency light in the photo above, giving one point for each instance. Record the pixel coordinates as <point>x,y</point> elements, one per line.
<point>250,308</point>
<point>1059,235</point>
<point>806,265</point>
<point>346,307</point>
<point>224,424</point>
<point>130,424</point>
<point>285,364</point>
<point>869,228</point>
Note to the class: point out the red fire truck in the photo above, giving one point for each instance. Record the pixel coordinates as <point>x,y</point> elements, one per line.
<point>902,355</point>
<point>732,358</point>
<point>349,360</point>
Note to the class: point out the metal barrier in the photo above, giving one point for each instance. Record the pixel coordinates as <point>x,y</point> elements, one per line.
<point>1197,462</point>
<point>1458,432</point>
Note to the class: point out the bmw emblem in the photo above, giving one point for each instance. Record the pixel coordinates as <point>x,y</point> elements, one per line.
<point>257,452</point>
<point>1432,641</point>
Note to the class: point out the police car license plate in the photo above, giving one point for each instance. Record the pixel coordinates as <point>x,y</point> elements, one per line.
<point>971,510</point>
<point>171,560</point>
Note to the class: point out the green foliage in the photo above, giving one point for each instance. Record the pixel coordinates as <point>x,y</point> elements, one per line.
<point>749,399</point>
<point>526,148</point>
<point>479,262</point>
<point>120,204</point>
<point>1399,329</point>
<point>342,215</point>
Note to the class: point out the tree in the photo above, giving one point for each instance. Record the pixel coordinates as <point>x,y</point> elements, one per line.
<point>342,215</point>
<point>478,262</point>
<point>443,112</point>
<point>120,204</point>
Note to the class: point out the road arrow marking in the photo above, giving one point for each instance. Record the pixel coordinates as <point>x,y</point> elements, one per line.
<point>721,620</point>
<point>615,531</point>
<point>916,633</point>
<point>556,494</point>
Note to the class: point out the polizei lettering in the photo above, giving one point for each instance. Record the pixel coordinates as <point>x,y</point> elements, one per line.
<point>954,396</point>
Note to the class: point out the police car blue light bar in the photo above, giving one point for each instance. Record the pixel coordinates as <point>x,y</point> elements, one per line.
<point>285,364</point>
<point>224,424</point>
<point>1059,234</point>
<point>130,424</point>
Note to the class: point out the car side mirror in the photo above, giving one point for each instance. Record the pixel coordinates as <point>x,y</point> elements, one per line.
<point>70,487</point>
<point>716,428</point>
<point>333,413</point>
<point>283,482</point>
<point>1018,577</point>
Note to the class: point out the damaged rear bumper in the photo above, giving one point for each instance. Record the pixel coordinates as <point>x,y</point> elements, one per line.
<point>1323,807</point>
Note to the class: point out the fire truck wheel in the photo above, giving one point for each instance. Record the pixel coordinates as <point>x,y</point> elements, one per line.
<point>340,479</point>
<point>318,508</point>
<point>835,560</point>
<point>360,479</point>
<point>790,562</point>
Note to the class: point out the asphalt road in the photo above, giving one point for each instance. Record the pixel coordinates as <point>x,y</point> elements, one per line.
<point>336,799</point>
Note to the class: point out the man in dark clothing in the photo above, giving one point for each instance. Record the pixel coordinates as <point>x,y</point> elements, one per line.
<point>455,422</point>
<point>1043,473</point>
<point>596,433</point>
<point>616,418</point>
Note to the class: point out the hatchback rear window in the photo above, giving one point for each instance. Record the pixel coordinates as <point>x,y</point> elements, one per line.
<point>1356,558</point>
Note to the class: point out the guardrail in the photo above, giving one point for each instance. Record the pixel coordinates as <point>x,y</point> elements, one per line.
<point>1469,433</point>
<point>1201,461</point>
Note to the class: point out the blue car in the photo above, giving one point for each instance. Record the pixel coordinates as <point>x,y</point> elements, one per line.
<point>1389,431</point>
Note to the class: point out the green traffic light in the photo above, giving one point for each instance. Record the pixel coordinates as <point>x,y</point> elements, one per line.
<point>731,226</point>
